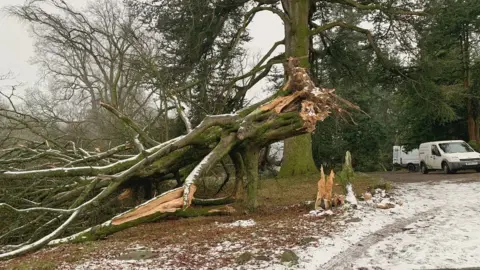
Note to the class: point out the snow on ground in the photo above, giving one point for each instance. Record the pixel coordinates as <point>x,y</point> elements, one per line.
<point>436,227</point>
<point>239,223</point>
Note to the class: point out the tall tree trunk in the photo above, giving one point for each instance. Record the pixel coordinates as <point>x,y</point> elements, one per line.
<point>297,153</point>
<point>472,125</point>
<point>471,117</point>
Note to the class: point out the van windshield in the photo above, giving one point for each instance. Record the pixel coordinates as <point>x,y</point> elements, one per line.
<point>456,147</point>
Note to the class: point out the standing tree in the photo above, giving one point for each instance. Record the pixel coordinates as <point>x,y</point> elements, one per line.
<point>200,32</point>
<point>443,97</point>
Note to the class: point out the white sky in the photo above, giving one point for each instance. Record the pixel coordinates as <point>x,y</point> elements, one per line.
<point>16,45</point>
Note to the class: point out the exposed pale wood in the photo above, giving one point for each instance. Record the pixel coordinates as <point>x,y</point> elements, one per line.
<point>167,203</point>
<point>324,194</point>
<point>328,189</point>
<point>127,193</point>
<point>321,190</point>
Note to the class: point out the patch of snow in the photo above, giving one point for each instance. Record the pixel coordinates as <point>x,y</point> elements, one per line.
<point>319,213</point>
<point>239,223</point>
<point>436,226</point>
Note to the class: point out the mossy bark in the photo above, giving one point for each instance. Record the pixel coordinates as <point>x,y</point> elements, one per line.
<point>297,153</point>
<point>237,160</point>
<point>298,159</point>
<point>102,231</point>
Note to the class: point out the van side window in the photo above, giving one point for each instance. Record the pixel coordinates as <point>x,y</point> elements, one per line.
<point>435,151</point>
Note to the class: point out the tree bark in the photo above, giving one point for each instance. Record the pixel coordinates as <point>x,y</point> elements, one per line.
<point>472,124</point>
<point>237,160</point>
<point>250,158</point>
<point>297,153</point>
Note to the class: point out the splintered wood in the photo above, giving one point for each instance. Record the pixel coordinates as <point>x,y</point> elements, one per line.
<point>313,104</point>
<point>166,203</point>
<point>325,200</point>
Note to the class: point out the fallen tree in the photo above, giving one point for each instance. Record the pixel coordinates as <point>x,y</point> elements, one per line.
<point>94,176</point>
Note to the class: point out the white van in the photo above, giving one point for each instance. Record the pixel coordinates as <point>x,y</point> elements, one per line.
<point>449,156</point>
<point>405,159</point>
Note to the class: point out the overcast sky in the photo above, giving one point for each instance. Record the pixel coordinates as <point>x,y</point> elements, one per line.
<point>16,45</point>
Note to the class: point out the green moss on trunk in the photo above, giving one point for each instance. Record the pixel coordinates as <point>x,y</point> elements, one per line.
<point>102,231</point>
<point>298,158</point>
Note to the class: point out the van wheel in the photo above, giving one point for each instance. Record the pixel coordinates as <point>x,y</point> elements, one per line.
<point>423,168</point>
<point>477,169</point>
<point>446,168</point>
<point>411,167</point>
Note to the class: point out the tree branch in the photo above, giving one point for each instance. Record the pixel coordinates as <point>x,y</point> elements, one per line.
<point>182,114</point>
<point>129,123</point>
<point>43,241</point>
<point>355,28</point>
<point>221,150</point>
<point>371,6</point>
<point>274,10</point>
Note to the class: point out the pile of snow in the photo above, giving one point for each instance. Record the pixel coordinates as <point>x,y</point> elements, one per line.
<point>239,223</point>
<point>350,198</point>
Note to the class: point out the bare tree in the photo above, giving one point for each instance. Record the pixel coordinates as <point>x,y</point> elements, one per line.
<point>95,56</point>
<point>86,54</point>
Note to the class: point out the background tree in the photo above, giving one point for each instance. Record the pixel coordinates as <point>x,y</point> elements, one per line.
<point>89,57</point>
<point>441,101</point>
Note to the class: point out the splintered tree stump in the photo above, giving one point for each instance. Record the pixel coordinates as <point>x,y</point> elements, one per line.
<point>324,194</point>
<point>321,190</point>
<point>329,189</point>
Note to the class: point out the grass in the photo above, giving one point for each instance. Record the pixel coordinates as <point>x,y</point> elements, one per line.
<point>40,264</point>
<point>294,190</point>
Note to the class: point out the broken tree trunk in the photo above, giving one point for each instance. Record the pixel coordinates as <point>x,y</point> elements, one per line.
<point>324,193</point>
<point>240,135</point>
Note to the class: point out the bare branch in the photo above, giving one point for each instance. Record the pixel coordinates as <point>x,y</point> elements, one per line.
<point>43,241</point>
<point>130,123</point>
<point>221,150</point>
<point>35,209</point>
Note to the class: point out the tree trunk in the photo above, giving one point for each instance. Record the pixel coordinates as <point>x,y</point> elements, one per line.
<point>471,122</point>
<point>250,158</point>
<point>237,160</point>
<point>471,117</point>
<point>297,153</point>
